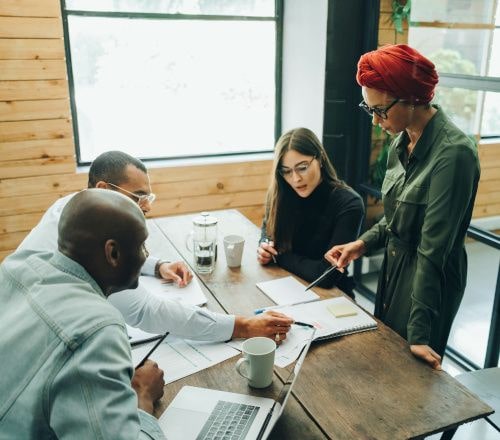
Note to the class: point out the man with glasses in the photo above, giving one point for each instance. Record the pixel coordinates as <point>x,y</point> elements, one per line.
<point>118,171</point>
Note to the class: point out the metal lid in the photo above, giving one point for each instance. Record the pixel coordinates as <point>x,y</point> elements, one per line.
<point>205,219</point>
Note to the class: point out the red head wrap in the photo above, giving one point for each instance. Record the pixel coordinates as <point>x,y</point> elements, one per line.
<point>399,70</point>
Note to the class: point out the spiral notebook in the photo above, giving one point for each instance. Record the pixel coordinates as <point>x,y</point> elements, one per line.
<point>331,317</point>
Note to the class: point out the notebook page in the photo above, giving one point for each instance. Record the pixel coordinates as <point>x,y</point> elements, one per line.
<point>286,290</point>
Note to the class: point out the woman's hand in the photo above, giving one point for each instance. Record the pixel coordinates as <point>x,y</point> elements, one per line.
<point>427,354</point>
<point>266,252</point>
<point>341,255</point>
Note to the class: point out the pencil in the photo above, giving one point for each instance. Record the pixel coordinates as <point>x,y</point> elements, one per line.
<point>151,351</point>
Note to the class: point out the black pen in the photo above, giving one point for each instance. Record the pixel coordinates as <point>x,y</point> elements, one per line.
<point>151,351</point>
<point>321,277</point>
<point>304,324</point>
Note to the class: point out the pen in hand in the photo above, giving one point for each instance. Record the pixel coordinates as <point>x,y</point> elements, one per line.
<point>272,255</point>
<point>151,351</point>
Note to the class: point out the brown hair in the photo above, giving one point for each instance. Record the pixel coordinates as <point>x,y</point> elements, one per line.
<point>282,201</point>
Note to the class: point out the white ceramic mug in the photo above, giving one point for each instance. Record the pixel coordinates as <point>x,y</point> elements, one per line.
<point>257,362</point>
<point>233,248</point>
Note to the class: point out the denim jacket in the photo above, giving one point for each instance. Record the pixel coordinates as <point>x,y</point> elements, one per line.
<point>66,364</point>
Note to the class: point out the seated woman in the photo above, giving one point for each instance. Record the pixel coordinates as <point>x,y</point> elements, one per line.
<point>309,209</point>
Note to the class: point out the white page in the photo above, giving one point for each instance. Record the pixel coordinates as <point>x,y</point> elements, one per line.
<point>189,295</point>
<point>286,290</point>
<point>180,358</point>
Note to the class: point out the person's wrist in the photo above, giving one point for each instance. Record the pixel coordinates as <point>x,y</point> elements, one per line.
<point>157,267</point>
<point>241,327</point>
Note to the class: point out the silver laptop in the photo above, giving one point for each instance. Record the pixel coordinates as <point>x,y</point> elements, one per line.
<point>202,413</point>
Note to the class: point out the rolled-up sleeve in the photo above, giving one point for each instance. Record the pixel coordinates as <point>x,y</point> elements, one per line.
<point>156,314</point>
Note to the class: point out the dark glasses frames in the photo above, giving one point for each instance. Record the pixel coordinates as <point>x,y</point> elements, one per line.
<point>381,112</point>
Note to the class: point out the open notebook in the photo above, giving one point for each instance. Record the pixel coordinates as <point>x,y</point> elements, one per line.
<point>331,317</point>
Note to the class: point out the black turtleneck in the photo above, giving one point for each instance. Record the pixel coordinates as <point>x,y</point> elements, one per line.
<point>329,216</point>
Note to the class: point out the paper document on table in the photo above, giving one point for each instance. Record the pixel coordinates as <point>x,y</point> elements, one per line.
<point>182,357</point>
<point>286,290</point>
<point>190,295</point>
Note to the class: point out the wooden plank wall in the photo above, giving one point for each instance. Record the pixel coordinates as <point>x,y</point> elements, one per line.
<point>37,155</point>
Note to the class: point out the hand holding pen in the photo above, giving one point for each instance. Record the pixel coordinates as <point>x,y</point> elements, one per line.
<point>266,252</point>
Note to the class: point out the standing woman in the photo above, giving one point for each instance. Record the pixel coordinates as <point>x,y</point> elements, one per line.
<point>308,210</point>
<point>428,195</point>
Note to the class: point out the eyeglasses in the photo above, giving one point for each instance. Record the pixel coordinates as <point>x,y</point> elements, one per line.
<point>300,169</point>
<point>140,199</point>
<point>145,250</point>
<point>381,112</point>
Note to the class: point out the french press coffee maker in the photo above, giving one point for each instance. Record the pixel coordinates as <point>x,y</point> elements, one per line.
<point>204,242</point>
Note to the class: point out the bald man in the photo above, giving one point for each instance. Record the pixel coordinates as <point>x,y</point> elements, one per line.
<point>120,172</point>
<point>66,366</point>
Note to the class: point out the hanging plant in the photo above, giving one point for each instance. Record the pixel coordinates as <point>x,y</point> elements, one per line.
<point>400,13</point>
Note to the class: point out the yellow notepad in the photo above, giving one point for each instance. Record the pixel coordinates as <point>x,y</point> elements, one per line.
<point>339,310</point>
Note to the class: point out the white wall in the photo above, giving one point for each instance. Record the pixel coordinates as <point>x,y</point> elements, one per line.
<point>304,54</point>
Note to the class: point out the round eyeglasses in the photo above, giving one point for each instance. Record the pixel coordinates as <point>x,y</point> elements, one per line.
<point>140,199</point>
<point>381,112</point>
<point>301,169</point>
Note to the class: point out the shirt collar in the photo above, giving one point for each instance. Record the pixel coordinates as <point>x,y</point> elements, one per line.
<point>70,266</point>
<point>428,137</point>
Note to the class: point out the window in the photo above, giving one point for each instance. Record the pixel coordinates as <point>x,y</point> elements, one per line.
<point>173,78</point>
<point>462,37</point>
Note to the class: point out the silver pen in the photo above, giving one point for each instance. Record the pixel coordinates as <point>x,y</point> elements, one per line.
<point>321,277</point>
<point>272,256</point>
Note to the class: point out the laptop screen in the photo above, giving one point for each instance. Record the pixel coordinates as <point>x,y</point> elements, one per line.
<point>287,387</point>
<point>285,391</point>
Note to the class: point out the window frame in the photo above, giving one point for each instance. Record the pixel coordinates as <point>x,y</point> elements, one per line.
<point>480,83</point>
<point>278,67</point>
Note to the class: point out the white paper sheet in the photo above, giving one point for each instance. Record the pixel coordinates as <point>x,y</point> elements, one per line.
<point>286,290</point>
<point>180,358</point>
<point>191,294</point>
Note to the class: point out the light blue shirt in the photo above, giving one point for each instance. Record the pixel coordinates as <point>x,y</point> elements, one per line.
<point>66,364</point>
<point>139,307</point>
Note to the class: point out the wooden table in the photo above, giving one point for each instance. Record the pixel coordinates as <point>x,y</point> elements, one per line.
<point>361,386</point>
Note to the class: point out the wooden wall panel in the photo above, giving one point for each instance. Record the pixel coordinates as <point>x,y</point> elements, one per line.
<point>32,69</point>
<point>21,27</point>
<point>34,110</point>
<point>35,149</point>
<point>46,185</point>
<point>32,130</point>
<point>37,167</point>
<point>31,49</point>
<point>26,90</point>
<point>30,8</point>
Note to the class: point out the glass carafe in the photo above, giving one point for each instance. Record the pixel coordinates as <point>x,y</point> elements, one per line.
<point>204,242</point>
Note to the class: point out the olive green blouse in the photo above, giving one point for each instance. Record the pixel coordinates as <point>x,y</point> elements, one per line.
<point>428,199</point>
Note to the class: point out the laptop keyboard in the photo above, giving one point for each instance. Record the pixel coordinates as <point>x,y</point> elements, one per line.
<point>228,421</point>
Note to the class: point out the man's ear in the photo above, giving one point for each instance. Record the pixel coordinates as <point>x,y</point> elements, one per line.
<point>101,184</point>
<point>112,252</point>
